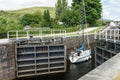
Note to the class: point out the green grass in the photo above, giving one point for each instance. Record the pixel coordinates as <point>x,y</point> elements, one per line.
<point>68,29</point>
<point>96,30</point>
<point>72,29</point>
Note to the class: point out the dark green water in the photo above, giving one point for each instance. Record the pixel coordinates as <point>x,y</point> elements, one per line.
<point>74,71</point>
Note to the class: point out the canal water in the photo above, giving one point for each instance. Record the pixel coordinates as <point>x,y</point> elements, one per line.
<point>74,71</point>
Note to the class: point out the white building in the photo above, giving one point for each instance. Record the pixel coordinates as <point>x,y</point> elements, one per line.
<point>113,24</point>
<point>27,27</point>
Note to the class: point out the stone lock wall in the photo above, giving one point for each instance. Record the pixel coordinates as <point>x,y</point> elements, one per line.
<point>7,64</point>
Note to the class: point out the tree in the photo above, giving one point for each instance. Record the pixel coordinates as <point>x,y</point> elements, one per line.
<point>3,21</point>
<point>58,9</point>
<point>60,6</point>
<point>64,5</point>
<point>93,10</point>
<point>37,17</point>
<point>27,19</point>
<point>73,16</point>
<point>3,25</point>
<point>31,19</point>
<point>46,19</point>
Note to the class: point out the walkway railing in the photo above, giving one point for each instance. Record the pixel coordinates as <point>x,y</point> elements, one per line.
<point>35,33</point>
<point>110,34</point>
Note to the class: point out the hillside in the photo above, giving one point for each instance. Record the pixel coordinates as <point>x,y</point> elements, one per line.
<point>35,9</point>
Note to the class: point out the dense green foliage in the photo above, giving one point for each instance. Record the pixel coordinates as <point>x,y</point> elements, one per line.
<point>31,19</point>
<point>9,21</point>
<point>76,14</point>
<point>93,10</point>
<point>72,17</point>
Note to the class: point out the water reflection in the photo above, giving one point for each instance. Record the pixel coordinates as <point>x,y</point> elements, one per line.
<point>75,71</point>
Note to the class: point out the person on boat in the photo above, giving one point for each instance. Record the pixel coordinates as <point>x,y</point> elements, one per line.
<point>79,53</point>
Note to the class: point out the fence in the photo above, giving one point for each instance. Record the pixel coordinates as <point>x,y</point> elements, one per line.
<point>35,33</point>
<point>110,34</point>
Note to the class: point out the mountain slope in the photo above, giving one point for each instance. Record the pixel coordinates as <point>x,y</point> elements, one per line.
<point>35,9</point>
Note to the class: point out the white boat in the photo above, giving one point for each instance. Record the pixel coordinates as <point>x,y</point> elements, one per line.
<point>76,57</point>
<point>81,54</point>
